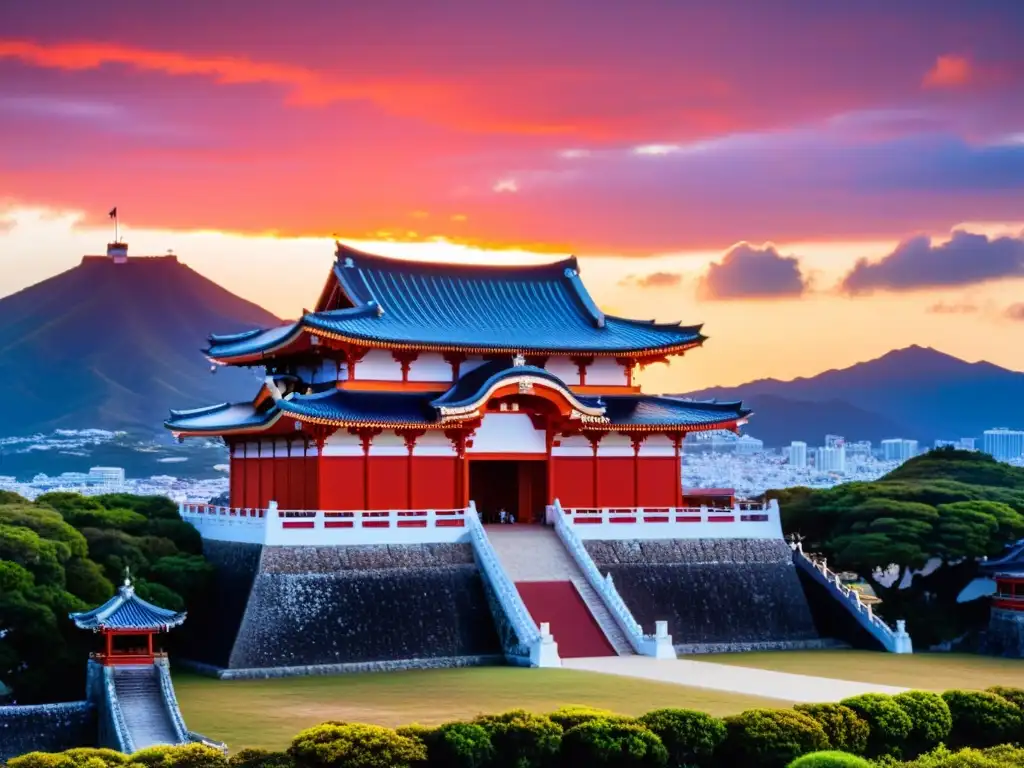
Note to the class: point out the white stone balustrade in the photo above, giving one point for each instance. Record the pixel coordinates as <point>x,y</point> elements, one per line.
<point>658,645</point>
<point>894,641</point>
<point>297,527</point>
<point>744,520</point>
<point>543,651</point>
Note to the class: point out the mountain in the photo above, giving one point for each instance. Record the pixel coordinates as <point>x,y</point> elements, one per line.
<point>114,346</point>
<point>915,392</point>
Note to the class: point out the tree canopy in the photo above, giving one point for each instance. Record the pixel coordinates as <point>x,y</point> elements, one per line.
<point>957,506</point>
<point>66,553</point>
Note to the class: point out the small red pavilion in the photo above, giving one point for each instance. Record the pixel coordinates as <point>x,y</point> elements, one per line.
<point>127,623</point>
<point>415,385</point>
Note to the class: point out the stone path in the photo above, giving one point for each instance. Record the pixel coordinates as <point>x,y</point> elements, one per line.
<point>722,677</point>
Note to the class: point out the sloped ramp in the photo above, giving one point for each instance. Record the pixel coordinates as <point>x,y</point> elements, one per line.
<point>143,708</point>
<point>559,604</point>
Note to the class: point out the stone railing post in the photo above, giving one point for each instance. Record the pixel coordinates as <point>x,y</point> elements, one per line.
<point>902,641</point>
<point>544,651</point>
<point>663,648</point>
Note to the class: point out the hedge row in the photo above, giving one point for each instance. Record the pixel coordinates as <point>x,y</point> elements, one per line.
<point>916,726</point>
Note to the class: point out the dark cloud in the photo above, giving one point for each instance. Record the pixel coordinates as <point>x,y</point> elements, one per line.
<point>1016,311</point>
<point>653,280</point>
<point>747,272</point>
<point>962,308</point>
<point>916,263</point>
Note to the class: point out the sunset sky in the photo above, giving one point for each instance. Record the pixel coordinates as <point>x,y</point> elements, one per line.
<point>818,182</point>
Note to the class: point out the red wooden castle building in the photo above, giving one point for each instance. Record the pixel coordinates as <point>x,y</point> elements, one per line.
<point>415,385</point>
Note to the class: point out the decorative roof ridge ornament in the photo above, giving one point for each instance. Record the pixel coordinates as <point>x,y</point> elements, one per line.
<point>518,360</point>
<point>127,589</point>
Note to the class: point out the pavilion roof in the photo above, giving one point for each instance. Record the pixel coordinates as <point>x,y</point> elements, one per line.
<point>399,303</point>
<point>391,410</point>
<point>127,611</point>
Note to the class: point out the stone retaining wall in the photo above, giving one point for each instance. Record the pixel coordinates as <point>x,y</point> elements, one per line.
<point>716,594</point>
<point>46,728</point>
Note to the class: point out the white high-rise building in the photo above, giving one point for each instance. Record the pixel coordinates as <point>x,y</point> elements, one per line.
<point>830,459</point>
<point>834,441</point>
<point>108,479</point>
<point>1004,444</point>
<point>968,444</point>
<point>898,449</point>
<point>798,454</point>
<point>748,445</point>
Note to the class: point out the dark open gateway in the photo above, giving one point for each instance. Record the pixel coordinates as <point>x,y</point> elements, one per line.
<point>517,486</point>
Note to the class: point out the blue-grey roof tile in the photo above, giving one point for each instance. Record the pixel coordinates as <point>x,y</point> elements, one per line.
<point>127,611</point>
<point>460,306</point>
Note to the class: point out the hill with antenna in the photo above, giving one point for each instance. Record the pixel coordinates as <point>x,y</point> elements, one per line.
<point>114,345</point>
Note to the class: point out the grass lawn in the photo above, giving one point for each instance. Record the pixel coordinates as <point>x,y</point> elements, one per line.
<point>928,671</point>
<point>268,713</point>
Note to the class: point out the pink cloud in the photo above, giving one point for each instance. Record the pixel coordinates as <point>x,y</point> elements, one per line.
<point>950,71</point>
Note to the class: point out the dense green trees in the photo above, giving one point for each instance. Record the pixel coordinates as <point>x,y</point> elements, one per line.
<point>65,553</point>
<point>956,506</point>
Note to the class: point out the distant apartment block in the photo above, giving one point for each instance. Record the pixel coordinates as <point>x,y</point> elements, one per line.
<point>832,459</point>
<point>798,454</point>
<point>898,449</point>
<point>1004,444</point>
<point>748,445</point>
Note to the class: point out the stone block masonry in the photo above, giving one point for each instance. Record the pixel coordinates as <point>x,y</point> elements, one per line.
<point>716,594</point>
<point>46,728</point>
<point>352,608</point>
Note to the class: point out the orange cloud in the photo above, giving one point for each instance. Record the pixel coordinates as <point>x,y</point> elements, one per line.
<point>950,71</point>
<point>305,86</point>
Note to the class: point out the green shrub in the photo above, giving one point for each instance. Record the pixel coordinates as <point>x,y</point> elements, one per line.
<point>355,746</point>
<point>846,730</point>
<point>690,737</point>
<point>997,757</point>
<point>185,756</point>
<point>1014,695</point>
<point>831,759</point>
<point>459,745</point>
<point>41,760</point>
<point>931,718</point>
<point>612,744</point>
<point>261,758</point>
<point>770,738</point>
<point>108,757</point>
<point>982,719</point>
<point>890,725</point>
<point>522,739</point>
<point>573,715</point>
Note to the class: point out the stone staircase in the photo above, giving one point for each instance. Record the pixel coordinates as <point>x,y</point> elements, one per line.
<point>533,553</point>
<point>142,706</point>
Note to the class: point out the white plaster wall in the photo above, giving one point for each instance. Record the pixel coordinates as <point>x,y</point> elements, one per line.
<point>342,443</point>
<point>388,444</point>
<point>563,368</point>
<point>615,444</point>
<point>379,365</point>
<point>469,364</point>
<point>433,444</point>
<point>430,366</point>
<point>657,445</point>
<point>606,371</point>
<point>508,433</point>
<point>572,445</point>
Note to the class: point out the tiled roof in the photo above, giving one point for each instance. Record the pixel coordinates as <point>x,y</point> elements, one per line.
<point>651,410</point>
<point>126,610</point>
<point>467,307</point>
<point>473,385</point>
<point>384,409</point>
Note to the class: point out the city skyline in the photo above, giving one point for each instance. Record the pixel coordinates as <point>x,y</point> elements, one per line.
<point>789,176</point>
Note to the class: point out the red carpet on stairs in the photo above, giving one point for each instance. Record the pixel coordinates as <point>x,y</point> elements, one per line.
<point>559,604</point>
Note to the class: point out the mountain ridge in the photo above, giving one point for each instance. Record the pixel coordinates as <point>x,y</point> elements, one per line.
<point>913,392</point>
<point>116,346</point>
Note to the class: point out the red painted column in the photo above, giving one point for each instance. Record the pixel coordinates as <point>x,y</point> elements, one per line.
<point>320,480</point>
<point>549,468</point>
<point>259,474</point>
<point>595,441</point>
<point>242,501</point>
<point>366,438</point>
<point>677,444</point>
<point>637,442</point>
